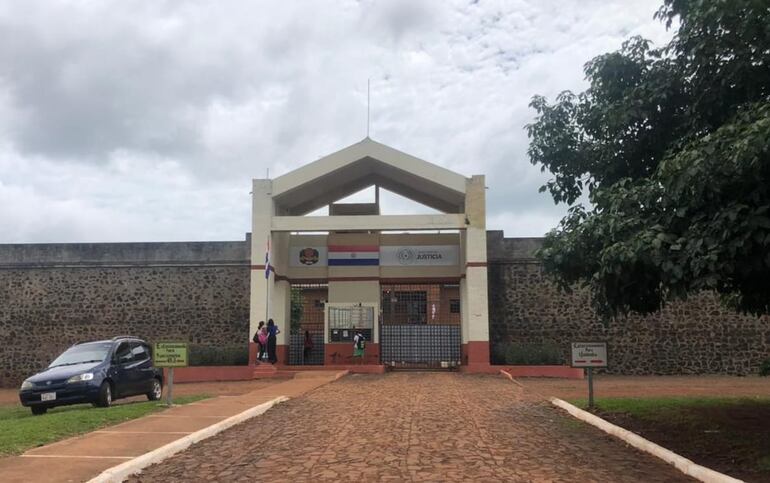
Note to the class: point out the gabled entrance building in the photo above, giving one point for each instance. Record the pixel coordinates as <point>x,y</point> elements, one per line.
<point>415,285</point>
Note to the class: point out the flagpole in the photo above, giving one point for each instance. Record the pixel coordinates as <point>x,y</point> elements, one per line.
<point>267,298</point>
<point>267,279</point>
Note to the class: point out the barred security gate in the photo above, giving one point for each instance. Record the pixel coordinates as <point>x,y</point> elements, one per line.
<point>420,326</point>
<point>428,346</point>
<point>307,319</point>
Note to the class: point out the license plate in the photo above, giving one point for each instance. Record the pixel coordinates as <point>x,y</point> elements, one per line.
<point>48,396</point>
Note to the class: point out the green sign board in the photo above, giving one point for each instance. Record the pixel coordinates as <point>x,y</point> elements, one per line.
<point>170,354</point>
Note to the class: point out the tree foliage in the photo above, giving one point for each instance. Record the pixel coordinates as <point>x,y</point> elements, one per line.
<point>671,148</point>
<point>297,308</point>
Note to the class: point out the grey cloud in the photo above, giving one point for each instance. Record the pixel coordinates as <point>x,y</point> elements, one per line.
<point>159,113</point>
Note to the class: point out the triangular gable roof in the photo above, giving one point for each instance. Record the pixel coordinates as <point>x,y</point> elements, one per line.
<point>364,164</point>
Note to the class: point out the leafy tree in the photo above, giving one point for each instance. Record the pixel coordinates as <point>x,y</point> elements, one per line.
<point>297,306</point>
<point>670,147</point>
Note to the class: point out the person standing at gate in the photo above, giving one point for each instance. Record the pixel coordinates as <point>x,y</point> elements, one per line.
<point>260,338</point>
<point>262,341</point>
<point>359,345</point>
<point>308,347</point>
<point>272,332</point>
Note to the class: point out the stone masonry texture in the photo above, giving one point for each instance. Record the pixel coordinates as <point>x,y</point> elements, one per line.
<point>697,336</point>
<point>53,295</point>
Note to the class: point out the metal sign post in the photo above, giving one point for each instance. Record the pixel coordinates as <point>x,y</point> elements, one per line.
<point>169,393</point>
<point>170,355</point>
<point>589,355</point>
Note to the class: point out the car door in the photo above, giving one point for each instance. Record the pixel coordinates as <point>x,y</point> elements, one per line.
<point>124,379</point>
<point>142,369</point>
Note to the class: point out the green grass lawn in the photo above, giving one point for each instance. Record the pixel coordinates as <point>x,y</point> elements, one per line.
<point>728,434</point>
<point>666,407</point>
<point>20,430</point>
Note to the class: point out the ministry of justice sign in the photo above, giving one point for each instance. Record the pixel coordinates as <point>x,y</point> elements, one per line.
<point>420,256</point>
<point>589,354</point>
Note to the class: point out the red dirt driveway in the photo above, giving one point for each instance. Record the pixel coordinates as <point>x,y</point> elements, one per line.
<point>415,427</point>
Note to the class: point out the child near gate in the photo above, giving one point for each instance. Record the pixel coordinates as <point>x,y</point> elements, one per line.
<point>359,344</point>
<point>262,334</point>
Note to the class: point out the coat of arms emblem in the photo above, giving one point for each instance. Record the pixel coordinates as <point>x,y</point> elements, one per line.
<point>308,256</point>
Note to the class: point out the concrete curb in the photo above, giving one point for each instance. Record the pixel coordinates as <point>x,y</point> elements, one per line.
<point>341,374</point>
<point>507,374</point>
<point>679,462</point>
<point>122,471</point>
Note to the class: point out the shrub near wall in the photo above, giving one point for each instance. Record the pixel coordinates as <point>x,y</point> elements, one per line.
<point>206,355</point>
<point>527,354</point>
<point>764,369</point>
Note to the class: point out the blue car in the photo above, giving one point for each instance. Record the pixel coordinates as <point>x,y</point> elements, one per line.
<point>94,372</point>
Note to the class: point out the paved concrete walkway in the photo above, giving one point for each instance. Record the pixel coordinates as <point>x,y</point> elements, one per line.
<point>84,457</point>
<point>413,427</point>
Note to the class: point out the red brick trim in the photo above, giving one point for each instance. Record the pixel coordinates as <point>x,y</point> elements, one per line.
<point>401,280</point>
<point>353,279</point>
<point>421,280</point>
<point>476,264</point>
<point>306,280</point>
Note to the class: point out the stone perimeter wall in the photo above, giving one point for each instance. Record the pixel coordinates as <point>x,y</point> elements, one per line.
<point>53,295</point>
<point>698,336</point>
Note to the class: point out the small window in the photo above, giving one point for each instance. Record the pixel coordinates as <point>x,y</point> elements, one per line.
<point>123,354</point>
<point>139,351</point>
<point>319,304</point>
<point>454,306</point>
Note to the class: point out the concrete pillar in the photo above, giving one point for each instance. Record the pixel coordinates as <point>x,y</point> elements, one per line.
<point>464,314</point>
<point>269,298</point>
<point>465,317</point>
<point>262,211</point>
<point>476,296</point>
<point>280,300</point>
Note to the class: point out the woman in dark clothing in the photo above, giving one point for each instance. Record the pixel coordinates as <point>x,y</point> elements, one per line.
<point>308,347</point>
<point>272,331</point>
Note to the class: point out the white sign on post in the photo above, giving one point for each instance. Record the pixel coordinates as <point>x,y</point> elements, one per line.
<point>589,354</point>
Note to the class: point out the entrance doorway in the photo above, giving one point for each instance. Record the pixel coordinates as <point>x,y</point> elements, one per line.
<point>307,319</point>
<point>420,325</point>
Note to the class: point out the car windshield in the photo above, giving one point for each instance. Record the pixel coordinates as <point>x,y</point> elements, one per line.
<point>94,352</point>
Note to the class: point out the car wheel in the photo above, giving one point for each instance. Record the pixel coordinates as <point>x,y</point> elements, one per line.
<point>38,410</point>
<point>156,392</point>
<point>105,395</point>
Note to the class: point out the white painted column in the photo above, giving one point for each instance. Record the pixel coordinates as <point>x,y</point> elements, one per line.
<point>262,211</point>
<point>477,299</point>
<point>464,312</point>
<point>280,300</point>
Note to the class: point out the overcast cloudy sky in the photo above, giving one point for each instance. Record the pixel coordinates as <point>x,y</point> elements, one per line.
<point>144,121</point>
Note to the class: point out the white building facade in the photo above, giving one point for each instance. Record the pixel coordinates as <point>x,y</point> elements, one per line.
<point>414,285</point>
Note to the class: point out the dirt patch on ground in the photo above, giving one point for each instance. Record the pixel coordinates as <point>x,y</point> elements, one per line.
<point>732,439</point>
<point>651,386</point>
